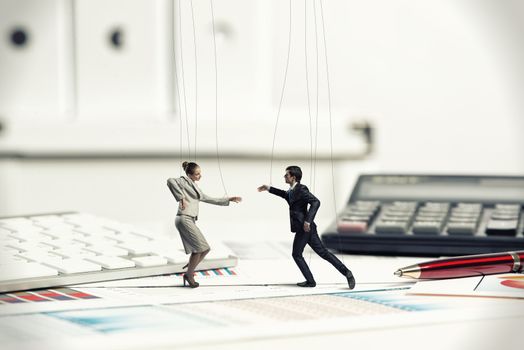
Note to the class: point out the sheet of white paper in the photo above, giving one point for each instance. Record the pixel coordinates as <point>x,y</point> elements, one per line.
<point>494,286</point>
<point>221,321</point>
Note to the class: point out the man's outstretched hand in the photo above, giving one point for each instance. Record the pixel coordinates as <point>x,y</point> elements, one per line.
<point>263,188</point>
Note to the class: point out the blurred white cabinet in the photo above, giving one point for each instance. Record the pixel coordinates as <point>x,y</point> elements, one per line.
<point>36,61</point>
<point>242,74</point>
<point>124,59</point>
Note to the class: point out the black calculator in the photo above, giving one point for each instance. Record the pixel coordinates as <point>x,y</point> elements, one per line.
<point>430,215</point>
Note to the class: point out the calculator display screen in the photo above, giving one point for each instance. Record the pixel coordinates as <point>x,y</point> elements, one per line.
<point>440,188</point>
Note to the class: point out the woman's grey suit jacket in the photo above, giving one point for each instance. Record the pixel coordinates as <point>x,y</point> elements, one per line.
<point>184,187</point>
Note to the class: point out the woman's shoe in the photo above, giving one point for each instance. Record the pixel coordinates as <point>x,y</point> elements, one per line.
<point>191,284</point>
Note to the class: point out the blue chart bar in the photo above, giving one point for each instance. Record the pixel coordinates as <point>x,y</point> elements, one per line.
<point>125,319</point>
<point>392,298</point>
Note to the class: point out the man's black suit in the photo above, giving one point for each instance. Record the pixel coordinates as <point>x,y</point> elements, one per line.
<point>298,200</point>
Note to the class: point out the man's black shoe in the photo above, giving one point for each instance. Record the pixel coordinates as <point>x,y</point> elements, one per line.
<point>351,280</point>
<point>306,284</point>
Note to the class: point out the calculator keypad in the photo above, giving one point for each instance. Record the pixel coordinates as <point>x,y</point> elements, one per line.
<point>431,218</point>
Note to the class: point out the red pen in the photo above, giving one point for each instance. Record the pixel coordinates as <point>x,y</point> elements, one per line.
<point>465,266</point>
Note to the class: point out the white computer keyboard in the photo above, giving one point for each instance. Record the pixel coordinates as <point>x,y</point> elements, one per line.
<point>41,251</point>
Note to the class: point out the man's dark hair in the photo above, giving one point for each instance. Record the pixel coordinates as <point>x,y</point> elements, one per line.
<point>295,171</point>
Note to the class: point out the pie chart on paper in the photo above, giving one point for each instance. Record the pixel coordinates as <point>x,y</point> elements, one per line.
<point>513,282</point>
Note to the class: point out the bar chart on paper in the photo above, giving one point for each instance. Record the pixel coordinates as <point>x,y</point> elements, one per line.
<point>215,276</point>
<point>210,316</point>
<point>47,295</point>
<point>491,286</point>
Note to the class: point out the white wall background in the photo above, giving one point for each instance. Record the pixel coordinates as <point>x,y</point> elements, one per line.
<point>441,81</point>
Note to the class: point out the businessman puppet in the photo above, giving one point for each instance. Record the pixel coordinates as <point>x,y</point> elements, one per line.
<point>302,224</point>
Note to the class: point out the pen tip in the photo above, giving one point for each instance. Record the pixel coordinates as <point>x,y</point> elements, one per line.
<point>398,273</point>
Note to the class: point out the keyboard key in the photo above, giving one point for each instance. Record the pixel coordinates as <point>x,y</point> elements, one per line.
<point>111,262</point>
<point>130,237</point>
<point>504,216</point>
<point>8,251</point>
<point>421,218</point>
<point>465,214</point>
<point>15,221</point>
<point>97,241</point>
<point>142,234</point>
<point>65,243</point>
<point>30,246</point>
<point>47,219</point>
<point>354,218</point>
<point>6,241</point>
<point>136,248</point>
<point>391,227</point>
<point>400,214</point>
<point>19,225</point>
<point>152,260</point>
<point>107,250</point>
<point>367,204</point>
<point>94,231</point>
<point>32,236</point>
<point>216,254</point>
<point>173,255</point>
<point>509,207</point>
<point>463,219</point>
<point>462,228</point>
<point>73,265</point>
<point>502,227</point>
<point>39,256</point>
<point>431,213</point>
<point>427,227</point>
<point>25,270</point>
<point>56,226</point>
<point>407,205</point>
<point>58,233</point>
<point>352,226</point>
<point>23,228</point>
<point>73,252</point>
<point>366,213</point>
<point>437,205</point>
<point>7,259</point>
<point>470,206</point>
<point>4,231</point>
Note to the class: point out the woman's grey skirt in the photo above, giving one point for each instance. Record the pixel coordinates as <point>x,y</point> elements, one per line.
<point>192,238</point>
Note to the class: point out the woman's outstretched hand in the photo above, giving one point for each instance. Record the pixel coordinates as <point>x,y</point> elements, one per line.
<point>235,199</point>
<point>263,188</point>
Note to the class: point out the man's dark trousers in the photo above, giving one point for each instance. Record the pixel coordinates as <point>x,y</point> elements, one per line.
<point>301,239</point>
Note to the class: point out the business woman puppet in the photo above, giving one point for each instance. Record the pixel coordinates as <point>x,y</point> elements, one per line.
<point>189,196</point>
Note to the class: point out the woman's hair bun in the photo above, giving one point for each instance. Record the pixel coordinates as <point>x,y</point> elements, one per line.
<point>189,167</point>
